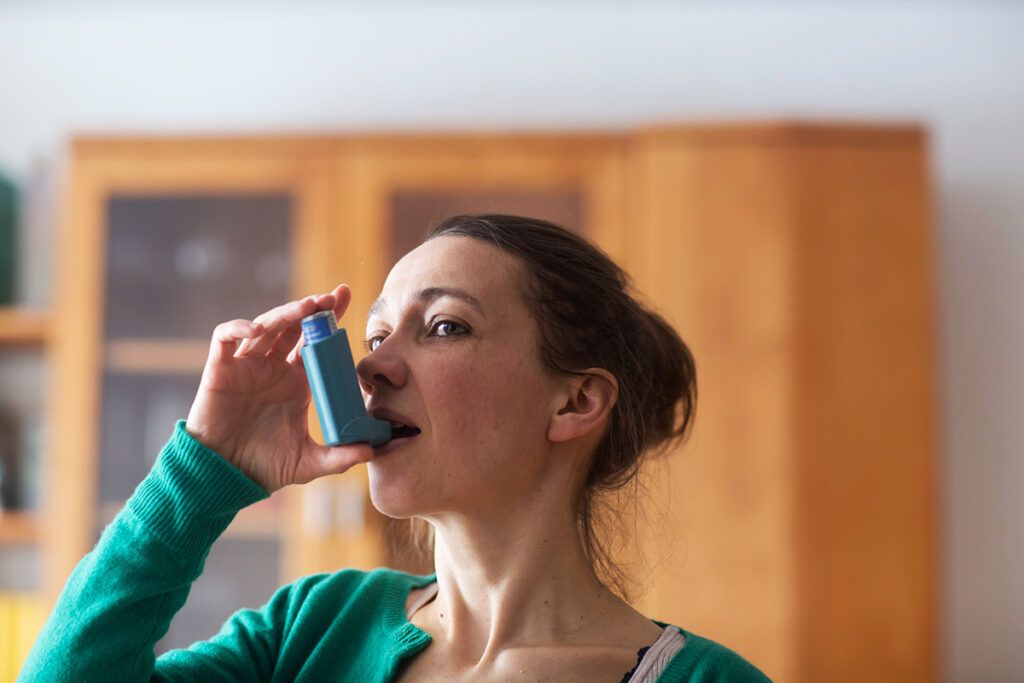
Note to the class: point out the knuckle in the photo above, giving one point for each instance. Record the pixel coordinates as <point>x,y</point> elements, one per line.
<point>225,329</point>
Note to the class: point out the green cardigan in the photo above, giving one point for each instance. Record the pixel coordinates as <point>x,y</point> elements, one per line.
<point>345,626</point>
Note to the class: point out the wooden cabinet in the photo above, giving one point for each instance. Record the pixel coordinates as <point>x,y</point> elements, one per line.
<point>798,523</point>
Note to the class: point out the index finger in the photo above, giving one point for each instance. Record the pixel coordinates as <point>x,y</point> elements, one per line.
<point>342,298</point>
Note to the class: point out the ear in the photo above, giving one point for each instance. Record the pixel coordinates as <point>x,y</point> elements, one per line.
<point>584,406</point>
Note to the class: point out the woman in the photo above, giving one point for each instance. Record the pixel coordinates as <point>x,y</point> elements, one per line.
<point>521,380</point>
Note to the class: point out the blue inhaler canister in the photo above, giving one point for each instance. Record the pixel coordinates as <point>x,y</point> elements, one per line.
<point>332,379</point>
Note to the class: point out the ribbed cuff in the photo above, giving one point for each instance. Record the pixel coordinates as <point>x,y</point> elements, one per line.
<point>191,494</point>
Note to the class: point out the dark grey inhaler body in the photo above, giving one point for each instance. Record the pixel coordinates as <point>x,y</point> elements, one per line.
<point>335,387</point>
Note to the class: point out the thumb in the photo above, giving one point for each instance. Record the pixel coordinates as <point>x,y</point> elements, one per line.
<point>324,460</point>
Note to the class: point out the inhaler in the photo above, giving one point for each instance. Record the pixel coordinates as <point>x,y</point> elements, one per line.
<point>332,380</point>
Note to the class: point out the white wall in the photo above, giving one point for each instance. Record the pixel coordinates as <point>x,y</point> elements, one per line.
<point>959,67</point>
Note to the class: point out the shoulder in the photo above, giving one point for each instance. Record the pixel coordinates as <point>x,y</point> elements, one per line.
<point>350,591</point>
<point>354,585</point>
<point>704,660</point>
<point>323,624</point>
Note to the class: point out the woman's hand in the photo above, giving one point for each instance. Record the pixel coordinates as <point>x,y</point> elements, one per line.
<point>252,403</point>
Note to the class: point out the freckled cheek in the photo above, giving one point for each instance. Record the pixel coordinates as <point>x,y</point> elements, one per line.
<point>477,405</point>
<point>456,401</point>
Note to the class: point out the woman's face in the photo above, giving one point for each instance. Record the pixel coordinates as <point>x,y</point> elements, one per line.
<point>454,353</point>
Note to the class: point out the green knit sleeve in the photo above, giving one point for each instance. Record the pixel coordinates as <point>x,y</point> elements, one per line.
<point>121,597</point>
<point>245,649</point>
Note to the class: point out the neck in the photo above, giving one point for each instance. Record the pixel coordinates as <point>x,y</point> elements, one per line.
<point>521,580</point>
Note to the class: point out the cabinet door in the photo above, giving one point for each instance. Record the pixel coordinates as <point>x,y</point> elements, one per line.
<point>158,252</point>
<point>389,192</point>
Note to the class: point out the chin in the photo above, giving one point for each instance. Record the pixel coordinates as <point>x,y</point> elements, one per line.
<point>392,494</point>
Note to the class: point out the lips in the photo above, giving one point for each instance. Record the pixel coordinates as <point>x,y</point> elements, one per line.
<point>401,426</point>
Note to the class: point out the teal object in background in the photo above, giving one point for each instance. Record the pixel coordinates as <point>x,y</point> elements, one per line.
<point>8,245</point>
<point>332,380</point>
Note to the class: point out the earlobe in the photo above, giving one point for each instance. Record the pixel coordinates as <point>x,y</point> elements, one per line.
<point>585,405</point>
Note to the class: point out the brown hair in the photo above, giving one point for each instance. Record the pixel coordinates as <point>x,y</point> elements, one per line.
<point>589,318</point>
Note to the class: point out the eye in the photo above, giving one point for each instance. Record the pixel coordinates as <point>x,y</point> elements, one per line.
<point>440,328</point>
<point>371,343</point>
<point>448,328</point>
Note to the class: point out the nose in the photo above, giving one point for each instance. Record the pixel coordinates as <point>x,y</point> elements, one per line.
<point>381,369</point>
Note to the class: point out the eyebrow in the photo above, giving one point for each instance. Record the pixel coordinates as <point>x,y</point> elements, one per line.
<point>431,294</point>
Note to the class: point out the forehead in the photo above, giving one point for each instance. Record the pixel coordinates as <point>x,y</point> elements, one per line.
<point>481,269</point>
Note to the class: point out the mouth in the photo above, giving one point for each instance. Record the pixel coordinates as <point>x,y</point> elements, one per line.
<point>401,435</point>
<point>402,429</point>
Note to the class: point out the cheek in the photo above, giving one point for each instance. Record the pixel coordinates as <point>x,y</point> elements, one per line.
<point>462,401</point>
<point>488,405</point>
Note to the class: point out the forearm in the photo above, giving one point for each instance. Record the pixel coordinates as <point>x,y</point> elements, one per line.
<point>122,596</point>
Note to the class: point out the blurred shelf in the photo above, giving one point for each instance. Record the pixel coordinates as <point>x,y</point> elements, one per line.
<point>23,326</point>
<point>160,356</point>
<point>17,527</point>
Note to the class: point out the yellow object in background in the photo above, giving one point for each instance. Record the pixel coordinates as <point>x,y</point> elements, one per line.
<point>21,619</point>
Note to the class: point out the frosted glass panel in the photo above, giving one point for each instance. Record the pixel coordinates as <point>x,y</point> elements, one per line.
<point>22,381</point>
<point>179,265</point>
<point>139,412</point>
<point>415,212</point>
